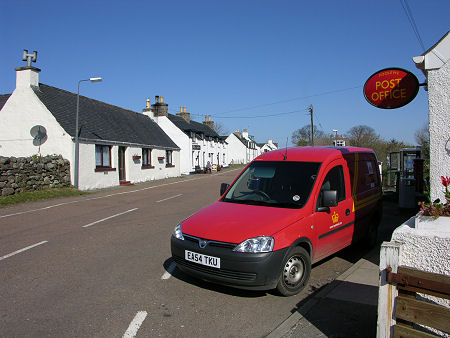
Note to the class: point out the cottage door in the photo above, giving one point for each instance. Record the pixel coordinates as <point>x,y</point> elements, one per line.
<point>122,176</point>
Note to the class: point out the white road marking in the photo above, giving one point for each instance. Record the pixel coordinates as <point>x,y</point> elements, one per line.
<point>110,195</point>
<point>169,198</point>
<point>169,271</point>
<point>107,218</point>
<point>22,250</point>
<point>135,324</point>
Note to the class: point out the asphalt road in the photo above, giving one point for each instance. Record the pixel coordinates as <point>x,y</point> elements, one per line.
<point>99,266</point>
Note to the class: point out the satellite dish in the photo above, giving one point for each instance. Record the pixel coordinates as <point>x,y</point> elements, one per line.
<point>39,134</point>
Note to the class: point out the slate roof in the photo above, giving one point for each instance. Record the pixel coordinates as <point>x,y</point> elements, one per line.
<point>3,99</point>
<point>102,121</point>
<point>196,127</point>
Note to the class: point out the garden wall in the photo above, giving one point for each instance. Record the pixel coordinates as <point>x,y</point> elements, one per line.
<point>19,174</point>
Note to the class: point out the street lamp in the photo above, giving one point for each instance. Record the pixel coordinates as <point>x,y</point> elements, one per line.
<point>77,145</point>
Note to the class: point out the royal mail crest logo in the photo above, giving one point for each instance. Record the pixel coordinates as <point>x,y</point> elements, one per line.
<point>335,217</point>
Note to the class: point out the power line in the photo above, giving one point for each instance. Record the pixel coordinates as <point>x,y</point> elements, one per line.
<point>217,115</point>
<point>412,22</point>
<point>288,100</point>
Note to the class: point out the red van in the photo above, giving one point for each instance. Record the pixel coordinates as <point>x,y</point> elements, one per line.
<point>287,209</point>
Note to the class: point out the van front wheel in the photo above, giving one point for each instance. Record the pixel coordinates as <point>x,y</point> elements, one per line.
<point>295,273</point>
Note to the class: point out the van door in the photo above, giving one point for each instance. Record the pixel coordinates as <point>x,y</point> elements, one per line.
<point>334,227</point>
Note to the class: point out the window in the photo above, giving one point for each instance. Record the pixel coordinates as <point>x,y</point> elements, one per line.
<point>274,184</point>
<point>169,158</point>
<point>147,158</point>
<point>102,156</point>
<point>334,181</point>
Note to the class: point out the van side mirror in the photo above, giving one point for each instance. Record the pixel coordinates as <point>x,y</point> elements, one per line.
<point>329,199</point>
<point>223,188</point>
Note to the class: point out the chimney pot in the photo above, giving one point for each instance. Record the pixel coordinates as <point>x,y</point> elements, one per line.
<point>161,99</point>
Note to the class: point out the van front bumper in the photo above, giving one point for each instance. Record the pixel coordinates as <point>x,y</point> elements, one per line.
<point>259,271</point>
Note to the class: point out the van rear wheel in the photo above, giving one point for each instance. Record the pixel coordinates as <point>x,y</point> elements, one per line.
<point>295,273</point>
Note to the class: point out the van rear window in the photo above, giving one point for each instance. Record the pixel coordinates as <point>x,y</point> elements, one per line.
<point>275,184</point>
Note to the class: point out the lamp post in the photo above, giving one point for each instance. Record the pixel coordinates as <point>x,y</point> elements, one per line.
<point>77,145</point>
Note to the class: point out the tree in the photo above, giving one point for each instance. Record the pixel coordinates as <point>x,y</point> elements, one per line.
<point>362,136</point>
<point>302,136</point>
<point>422,137</point>
<point>220,129</point>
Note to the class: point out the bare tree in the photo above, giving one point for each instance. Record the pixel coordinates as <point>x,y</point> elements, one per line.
<point>220,129</point>
<point>422,137</point>
<point>302,136</point>
<point>362,136</point>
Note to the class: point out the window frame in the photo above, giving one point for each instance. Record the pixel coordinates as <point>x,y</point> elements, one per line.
<point>147,158</point>
<point>103,167</point>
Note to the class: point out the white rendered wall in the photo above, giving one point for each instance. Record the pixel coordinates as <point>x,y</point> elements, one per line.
<point>90,179</point>
<point>439,106</point>
<point>21,112</point>
<point>237,151</point>
<point>180,139</point>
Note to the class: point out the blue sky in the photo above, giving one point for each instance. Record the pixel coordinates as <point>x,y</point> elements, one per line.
<point>239,61</point>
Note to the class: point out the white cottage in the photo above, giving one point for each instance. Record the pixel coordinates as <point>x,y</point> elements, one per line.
<point>117,146</point>
<point>198,142</point>
<point>241,148</point>
<point>435,64</point>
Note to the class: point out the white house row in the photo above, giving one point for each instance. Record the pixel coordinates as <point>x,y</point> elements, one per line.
<point>116,145</point>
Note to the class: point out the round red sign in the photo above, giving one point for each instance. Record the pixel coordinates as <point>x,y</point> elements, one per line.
<point>391,88</point>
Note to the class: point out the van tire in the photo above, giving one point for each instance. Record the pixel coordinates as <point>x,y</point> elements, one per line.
<point>295,272</point>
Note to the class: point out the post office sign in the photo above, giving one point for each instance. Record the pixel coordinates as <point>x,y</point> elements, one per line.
<point>391,88</point>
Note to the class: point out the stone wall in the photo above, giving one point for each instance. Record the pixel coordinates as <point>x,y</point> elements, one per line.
<point>33,173</point>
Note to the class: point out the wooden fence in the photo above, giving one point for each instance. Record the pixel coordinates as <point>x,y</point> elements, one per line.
<point>401,308</point>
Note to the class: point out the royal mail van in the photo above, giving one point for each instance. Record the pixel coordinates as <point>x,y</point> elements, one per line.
<point>286,210</point>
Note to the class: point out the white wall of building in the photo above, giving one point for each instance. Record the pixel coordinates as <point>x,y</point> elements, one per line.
<point>21,112</point>
<point>177,136</point>
<point>439,106</point>
<point>90,179</point>
<point>237,151</point>
<point>436,65</point>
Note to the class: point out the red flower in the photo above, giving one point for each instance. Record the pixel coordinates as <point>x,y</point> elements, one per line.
<point>445,181</point>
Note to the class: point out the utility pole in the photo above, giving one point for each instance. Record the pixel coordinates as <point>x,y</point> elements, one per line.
<point>312,124</point>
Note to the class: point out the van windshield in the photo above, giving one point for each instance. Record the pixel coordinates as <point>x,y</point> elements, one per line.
<point>275,184</point>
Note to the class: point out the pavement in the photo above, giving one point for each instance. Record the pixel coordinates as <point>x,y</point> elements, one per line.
<point>347,307</point>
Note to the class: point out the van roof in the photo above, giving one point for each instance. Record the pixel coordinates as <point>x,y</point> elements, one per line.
<point>310,154</point>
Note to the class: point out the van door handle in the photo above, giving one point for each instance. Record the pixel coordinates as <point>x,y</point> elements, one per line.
<point>347,212</point>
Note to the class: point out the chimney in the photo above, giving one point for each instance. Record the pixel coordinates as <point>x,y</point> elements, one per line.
<point>208,122</point>
<point>184,114</point>
<point>237,132</point>
<point>245,134</point>
<point>147,106</point>
<point>159,108</point>
<point>27,76</point>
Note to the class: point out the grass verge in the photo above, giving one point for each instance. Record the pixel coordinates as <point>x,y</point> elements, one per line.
<point>38,195</point>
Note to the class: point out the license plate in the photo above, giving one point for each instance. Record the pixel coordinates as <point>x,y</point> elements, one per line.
<point>202,259</point>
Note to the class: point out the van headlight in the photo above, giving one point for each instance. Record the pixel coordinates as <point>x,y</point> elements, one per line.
<point>177,232</point>
<point>256,245</point>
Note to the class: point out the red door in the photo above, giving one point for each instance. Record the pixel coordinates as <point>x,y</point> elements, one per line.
<point>334,227</point>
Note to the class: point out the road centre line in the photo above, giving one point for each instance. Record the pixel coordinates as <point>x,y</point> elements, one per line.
<point>169,271</point>
<point>169,198</point>
<point>107,218</point>
<point>135,324</point>
<point>22,250</point>
<point>110,195</point>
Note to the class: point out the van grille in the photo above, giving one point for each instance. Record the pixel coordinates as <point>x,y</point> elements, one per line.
<point>209,243</point>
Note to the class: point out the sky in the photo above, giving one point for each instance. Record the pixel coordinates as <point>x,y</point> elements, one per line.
<point>250,64</point>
